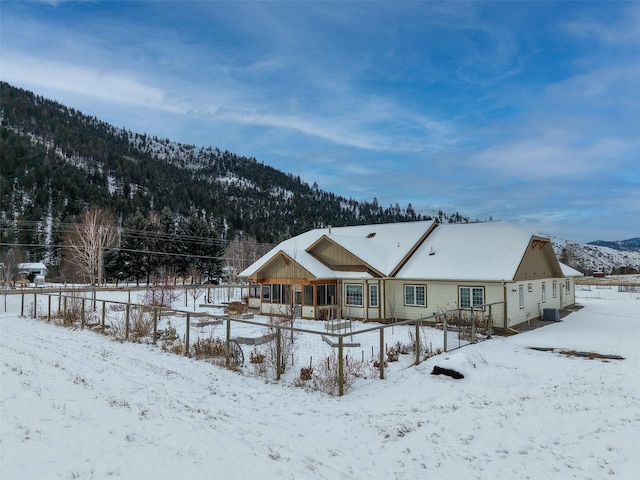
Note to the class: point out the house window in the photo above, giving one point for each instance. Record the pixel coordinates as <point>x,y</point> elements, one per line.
<point>567,286</point>
<point>530,287</point>
<point>471,297</point>
<point>373,296</point>
<point>555,288</point>
<point>544,292</point>
<point>254,290</point>
<point>326,294</point>
<point>415,295</point>
<point>354,295</point>
<point>521,295</point>
<point>308,294</point>
<point>276,293</point>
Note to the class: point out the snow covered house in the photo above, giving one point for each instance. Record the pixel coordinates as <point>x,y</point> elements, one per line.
<point>412,270</point>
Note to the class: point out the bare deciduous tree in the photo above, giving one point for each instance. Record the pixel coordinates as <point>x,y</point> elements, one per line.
<point>8,267</point>
<point>90,236</point>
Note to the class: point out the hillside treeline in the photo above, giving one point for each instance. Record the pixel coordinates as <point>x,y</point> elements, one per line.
<point>55,162</point>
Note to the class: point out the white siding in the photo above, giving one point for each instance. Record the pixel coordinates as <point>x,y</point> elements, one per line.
<point>533,304</point>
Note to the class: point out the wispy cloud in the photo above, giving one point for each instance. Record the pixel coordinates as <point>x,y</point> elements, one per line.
<point>106,86</point>
<point>512,110</point>
<point>621,30</point>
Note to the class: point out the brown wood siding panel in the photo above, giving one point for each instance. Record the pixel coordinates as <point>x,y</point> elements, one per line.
<point>279,268</point>
<point>332,254</point>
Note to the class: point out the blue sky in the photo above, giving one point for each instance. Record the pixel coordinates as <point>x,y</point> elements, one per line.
<point>522,111</point>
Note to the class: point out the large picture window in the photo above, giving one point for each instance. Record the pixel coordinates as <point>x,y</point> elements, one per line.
<point>415,295</point>
<point>354,294</point>
<point>254,290</point>
<point>471,297</point>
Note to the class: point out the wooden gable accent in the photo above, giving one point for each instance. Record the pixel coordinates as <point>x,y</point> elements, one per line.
<point>338,258</point>
<point>282,266</point>
<point>539,261</point>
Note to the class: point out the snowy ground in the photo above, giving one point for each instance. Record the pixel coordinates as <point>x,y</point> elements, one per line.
<point>75,404</point>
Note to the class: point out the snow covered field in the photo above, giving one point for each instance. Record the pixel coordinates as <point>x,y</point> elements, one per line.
<point>75,404</point>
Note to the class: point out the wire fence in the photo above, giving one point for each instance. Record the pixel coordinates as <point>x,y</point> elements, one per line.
<point>333,356</point>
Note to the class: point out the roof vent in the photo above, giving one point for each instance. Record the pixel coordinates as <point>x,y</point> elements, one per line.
<point>371,235</point>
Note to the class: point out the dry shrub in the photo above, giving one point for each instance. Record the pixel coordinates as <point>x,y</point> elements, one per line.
<point>432,353</point>
<point>236,308</point>
<point>140,324</point>
<point>160,295</point>
<point>287,341</point>
<point>256,357</point>
<point>177,348</point>
<point>326,378</point>
<point>209,347</point>
<point>168,335</point>
<point>71,315</point>
<point>392,354</point>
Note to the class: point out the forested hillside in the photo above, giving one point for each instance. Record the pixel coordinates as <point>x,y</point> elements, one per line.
<point>55,162</point>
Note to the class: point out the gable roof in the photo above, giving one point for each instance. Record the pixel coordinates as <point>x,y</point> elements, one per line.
<point>469,251</point>
<point>380,246</point>
<point>486,251</point>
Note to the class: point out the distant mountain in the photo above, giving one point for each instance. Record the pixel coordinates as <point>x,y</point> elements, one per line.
<point>591,257</point>
<point>630,245</point>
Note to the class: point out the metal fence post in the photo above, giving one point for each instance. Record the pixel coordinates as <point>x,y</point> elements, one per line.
<point>104,308</point>
<point>278,352</point>
<point>126,322</point>
<point>473,326</point>
<point>82,315</point>
<point>381,353</point>
<point>186,347</point>
<point>49,309</point>
<point>490,325</point>
<point>35,305</point>
<point>155,324</point>
<point>228,342</point>
<point>418,325</point>
<point>340,366</point>
<point>22,307</point>
<point>444,330</point>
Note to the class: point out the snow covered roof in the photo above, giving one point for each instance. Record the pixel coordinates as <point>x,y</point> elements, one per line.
<point>487,251</point>
<point>381,246</point>
<point>469,251</point>
<point>32,266</point>
<point>567,271</point>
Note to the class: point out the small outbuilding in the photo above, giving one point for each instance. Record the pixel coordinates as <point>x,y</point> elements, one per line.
<point>32,272</point>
